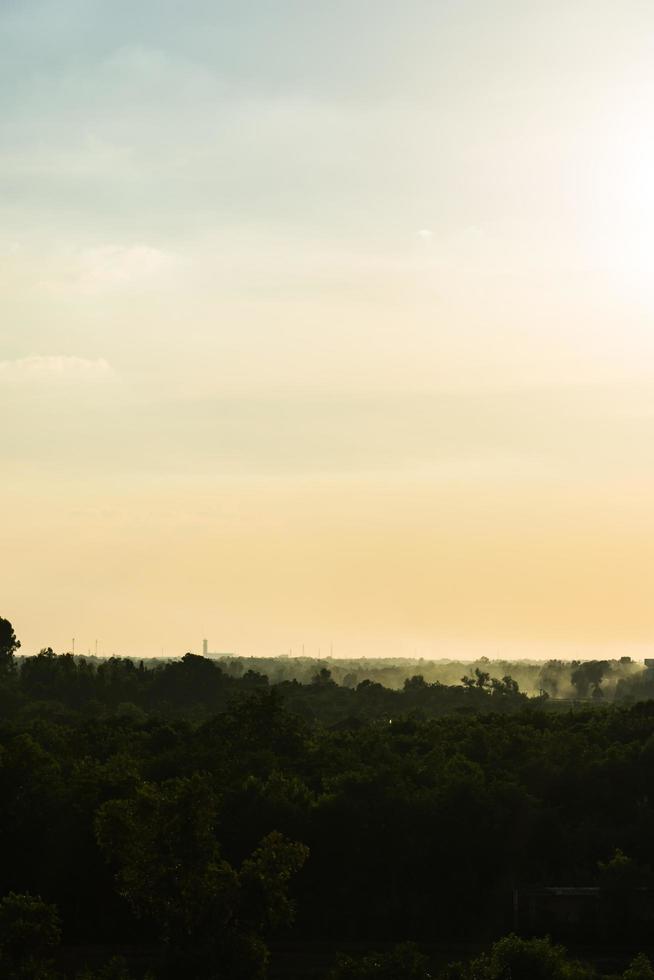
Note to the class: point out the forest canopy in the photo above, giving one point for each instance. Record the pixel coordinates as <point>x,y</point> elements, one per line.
<point>204,819</point>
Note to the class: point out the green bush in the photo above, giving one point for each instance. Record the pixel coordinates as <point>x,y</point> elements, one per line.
<point>29,934</point>
<point>513,958</point>
<point>404,961</point>
<point>639,969</point>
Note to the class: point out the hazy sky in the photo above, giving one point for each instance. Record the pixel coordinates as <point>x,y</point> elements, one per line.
<point>328,323</point>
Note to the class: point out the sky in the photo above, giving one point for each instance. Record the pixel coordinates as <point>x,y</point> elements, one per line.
<point>327,326</point>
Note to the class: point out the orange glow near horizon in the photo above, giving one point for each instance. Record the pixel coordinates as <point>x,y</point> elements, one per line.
<point>345,345</point>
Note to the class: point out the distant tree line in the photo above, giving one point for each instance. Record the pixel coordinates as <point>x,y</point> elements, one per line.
<point>559,679</point>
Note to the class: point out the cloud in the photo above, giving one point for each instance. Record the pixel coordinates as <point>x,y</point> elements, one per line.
<point>110,268</point>
<point>113,265</point>
<point>55,368</point>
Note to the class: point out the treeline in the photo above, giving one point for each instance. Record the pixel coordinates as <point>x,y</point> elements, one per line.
<point>566,679</point>
<point>194,688</point>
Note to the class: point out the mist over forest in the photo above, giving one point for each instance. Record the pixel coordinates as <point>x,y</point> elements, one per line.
<point>560,679</point>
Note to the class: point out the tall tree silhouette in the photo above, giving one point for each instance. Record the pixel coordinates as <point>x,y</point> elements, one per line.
<point>8,645</point>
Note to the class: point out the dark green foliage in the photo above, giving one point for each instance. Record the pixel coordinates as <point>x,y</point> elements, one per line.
<point>167,858</point>
<point>404,962</point>
<point>8,645</point>
<point>29,934</point>
<point>513,958</point>
<point>170,870</point>
<point>159,810</point>
<point>622,881</point>
<point>116,969</point>
<point>639,969</point>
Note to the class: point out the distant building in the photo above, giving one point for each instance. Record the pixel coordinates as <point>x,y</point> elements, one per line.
<point>213,654</point>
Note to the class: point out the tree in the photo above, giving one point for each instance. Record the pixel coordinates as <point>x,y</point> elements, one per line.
<point>620,881</point>
<point>506,686</point>
<point>29,933</point>
<point>8,645</point>
<point>587,675</point>
<point>482,678</point>
<point>640,968</point>
<point>416,683</point>
<point>323,678</point>
<point>404,961</point>
<point>171,871</point>
<point>115,969</point>
<point>264,879</point>
<point>513,958</point>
